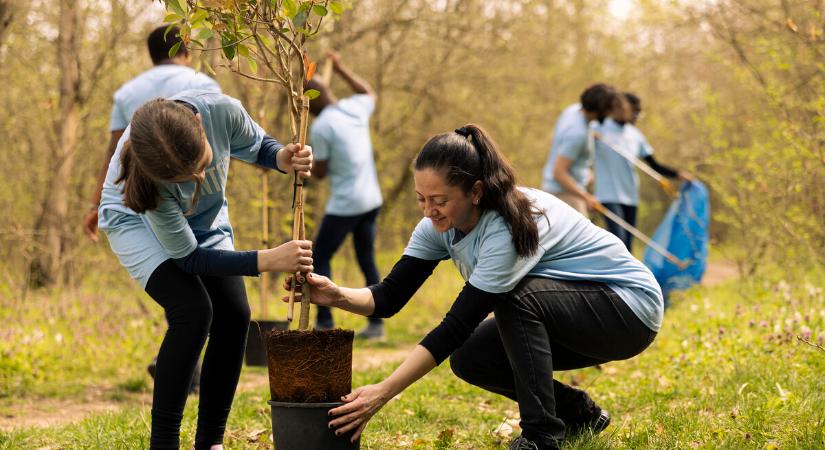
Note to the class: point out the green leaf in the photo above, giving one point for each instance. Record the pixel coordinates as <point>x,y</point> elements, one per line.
<point>319,10</point>
<point>336,7</point>
<point>174,50</point>
<point>172,17</point>
<point>243,50</point>
<point>253,65</point>
<point>312,93</point>
<point>227,42</point>
<point>290,8</point>
<point>204,34</point>
<point>175,6</point>
<point>168,29</point>
<point>199,16</point>
<point>301,18</point>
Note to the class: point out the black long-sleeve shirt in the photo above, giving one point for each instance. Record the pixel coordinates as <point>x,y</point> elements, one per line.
<point>662,169</point>
<point>470,307</point>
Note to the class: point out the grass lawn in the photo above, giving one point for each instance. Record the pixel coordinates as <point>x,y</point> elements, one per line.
<point>727,371</point>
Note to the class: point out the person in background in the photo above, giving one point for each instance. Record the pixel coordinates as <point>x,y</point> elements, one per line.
<point>616,180</point>
<point>567,171</point>
<point>167,77</point>
<point>166,217</point>
<point>340,137</point>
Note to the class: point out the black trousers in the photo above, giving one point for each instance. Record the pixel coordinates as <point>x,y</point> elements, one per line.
<point>546,325</point>
<point>331,234</point>
<point>197,307</point>
<point>626,212</point>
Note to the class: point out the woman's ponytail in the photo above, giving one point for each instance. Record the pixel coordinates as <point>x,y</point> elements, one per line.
<point>501,193</point>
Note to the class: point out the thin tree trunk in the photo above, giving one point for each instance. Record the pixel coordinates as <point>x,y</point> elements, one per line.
<point>51,237</point>
<point>7,11</point>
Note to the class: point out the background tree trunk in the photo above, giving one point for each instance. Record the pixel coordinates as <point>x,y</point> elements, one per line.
<point>50,227</point>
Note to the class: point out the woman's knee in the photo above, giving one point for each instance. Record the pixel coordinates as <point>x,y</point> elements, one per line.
<point>196,311</point>
<point>458,364</point>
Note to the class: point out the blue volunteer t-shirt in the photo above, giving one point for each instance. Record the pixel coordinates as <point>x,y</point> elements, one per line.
<point>340,135</point>
<point>164,81</point>
<point>571,140</point>
<point>232,134</point>
<point>616,177</point>
<point>570,248</point>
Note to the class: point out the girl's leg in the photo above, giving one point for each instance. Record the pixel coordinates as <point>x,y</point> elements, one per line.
<point>223,360</point>
<point>584,320</point>
<point>189,314</point>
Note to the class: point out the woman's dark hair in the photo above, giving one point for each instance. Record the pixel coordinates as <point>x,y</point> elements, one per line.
<point>469,155</point>
<point>166,142</point>
<point>600,99</point>
<point>160,42</point>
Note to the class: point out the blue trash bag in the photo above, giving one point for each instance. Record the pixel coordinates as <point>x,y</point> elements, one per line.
<point>684,233</point>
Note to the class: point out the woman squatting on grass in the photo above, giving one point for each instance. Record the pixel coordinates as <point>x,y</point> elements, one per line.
<point>164,211</point>
<point>566,294</point>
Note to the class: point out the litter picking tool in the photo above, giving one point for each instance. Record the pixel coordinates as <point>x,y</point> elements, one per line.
<point>666,185</point>
<point>641,236</point>
<point>326,72</point>
<point>299,230</point>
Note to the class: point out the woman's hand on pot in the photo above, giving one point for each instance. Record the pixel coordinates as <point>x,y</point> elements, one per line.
<point>322,290</point>
<point>359,407</point>
<point>292,256</point>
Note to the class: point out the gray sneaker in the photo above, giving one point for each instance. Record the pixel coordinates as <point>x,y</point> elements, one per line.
<point>373,331</point>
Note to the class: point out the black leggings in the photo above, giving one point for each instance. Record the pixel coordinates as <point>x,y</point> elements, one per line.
<point>542,326</point>
<point>190,303</point>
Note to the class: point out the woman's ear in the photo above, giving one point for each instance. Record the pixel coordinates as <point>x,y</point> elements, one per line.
<point>477,192</point>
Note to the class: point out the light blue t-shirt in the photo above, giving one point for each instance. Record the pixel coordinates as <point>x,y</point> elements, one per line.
<point>232,134</point>
<point>340,135</point>
<point>570,248</point>
<point>164,80</point>
<point>616,177</point>
<point>571,139</point>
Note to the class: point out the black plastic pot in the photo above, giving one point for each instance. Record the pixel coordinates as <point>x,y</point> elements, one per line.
<point>305,426</point>
<point>256,340</point>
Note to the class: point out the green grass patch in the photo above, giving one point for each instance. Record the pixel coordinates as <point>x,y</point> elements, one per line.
<point>728,370</point>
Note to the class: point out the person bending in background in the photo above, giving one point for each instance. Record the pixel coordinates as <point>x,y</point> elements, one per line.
<point>168,77</point>
<point>340,135</point>
<point>616,180</point>
<point>164,211</point>
<point>566,294</point>
<point>567,171</point>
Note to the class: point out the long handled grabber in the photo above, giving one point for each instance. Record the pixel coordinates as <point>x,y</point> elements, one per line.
<point>641,236</point>
<point>663,182</point>
<point>298,229</point>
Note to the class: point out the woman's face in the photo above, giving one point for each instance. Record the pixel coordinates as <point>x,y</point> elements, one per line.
<point>447,206</point>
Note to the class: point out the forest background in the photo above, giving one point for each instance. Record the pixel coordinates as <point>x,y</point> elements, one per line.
<point>733,91</point>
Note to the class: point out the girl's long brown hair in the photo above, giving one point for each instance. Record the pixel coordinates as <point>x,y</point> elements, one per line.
<point>166,142</point>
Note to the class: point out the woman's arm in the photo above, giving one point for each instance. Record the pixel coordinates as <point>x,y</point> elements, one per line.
<point>364,402</point>
<point>469,309</point>
<point>384,299</point>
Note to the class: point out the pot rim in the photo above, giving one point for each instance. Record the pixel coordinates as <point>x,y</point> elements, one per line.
<point>304,405</point>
